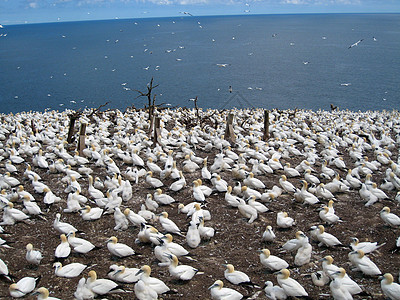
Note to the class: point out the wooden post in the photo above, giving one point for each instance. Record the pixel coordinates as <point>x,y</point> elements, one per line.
<point>33,127</point>
<point>151,126</point>
<point>229,132</point>
<point>81,141</point>
<point>266,125</point>
<point>72,120</point>
<point>157,131</point>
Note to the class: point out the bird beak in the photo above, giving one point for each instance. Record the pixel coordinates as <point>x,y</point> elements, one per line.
<point>212,286</point>
<point>139,272</point>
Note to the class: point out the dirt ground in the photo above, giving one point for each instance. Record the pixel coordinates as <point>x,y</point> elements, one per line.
<point>235,242</point>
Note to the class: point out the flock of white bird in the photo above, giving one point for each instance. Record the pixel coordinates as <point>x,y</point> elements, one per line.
<point>152,192</point>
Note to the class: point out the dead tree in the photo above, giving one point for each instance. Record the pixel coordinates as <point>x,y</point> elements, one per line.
<point>151,100</point>
<point>72,118</point>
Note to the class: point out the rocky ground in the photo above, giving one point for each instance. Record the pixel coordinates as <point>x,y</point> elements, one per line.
<point>235,242</point>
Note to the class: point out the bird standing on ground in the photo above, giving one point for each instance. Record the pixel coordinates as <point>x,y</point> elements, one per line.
<point>33,256</point>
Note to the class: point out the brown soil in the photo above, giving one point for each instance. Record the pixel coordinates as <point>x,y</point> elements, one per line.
<point>235,240</point>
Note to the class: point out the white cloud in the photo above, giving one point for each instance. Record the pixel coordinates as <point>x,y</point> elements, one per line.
<point>33,5</point>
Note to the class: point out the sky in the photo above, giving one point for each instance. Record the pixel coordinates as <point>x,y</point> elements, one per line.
<point>43,11</point>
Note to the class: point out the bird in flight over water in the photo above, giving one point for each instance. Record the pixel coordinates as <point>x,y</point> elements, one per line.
<point>186,13</point>
<point>355,44</point>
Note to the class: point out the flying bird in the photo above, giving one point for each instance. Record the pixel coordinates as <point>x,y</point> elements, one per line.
<point>355,44</point>
<point>186,13</point>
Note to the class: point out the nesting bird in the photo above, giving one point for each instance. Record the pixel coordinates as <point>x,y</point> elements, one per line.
<point>218,292</point>
<point>289,285</point>
<point>119,249</point>
<point>389,218</point>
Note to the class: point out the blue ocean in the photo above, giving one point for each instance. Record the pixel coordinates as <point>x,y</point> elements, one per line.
<point>270,61</point>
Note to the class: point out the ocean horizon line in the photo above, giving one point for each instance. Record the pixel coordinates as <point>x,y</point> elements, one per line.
<point>203,16</point>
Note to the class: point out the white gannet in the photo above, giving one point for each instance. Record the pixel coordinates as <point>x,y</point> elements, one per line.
<point>119,249</point>
<point>63,227</point>
<point>363,263</point>
<point>163,199</point>
<point>290,172</point>
<point>268,235</point>
<point>303,255</point>
<point>323,237</point>
<point>324,193</point>
<point>366,247</point>
<point>145,213</point>
<point>247,211</point>
<point>153,167</point>
<point>149,234</point>
<point>198,194</point>
<point>23,286</point>
<point>82,292</point>
<point>247,192</point>
<point>219,184</point>
<point>4,270</point>
<point>274,292</point>
<point>63,249</point>
<point>253,182</point>
<point>91,213</point>
<point>133,217</point>
<point>218,292</point>
<point>207,191</point>
<point>173,247</point>
<point>154,283</point>
<point>179,184</point>
<point>43,294</point>
<point>338,290</point>
<point>230,199</point>
<point>100,286</point>
<point>49,197</point>
<point>329,269</point>
<point>93,192</point>
<point>389,288</point>
<point>319,278</point>
<point>189,166</point>
<point>389,218</point>
<point>283,220</point>
<point>167,224</point>
<point>12,215</point>
<point>181,272</point>
<point>123,274</point>
<point>327,216</point>
<point>311,178</point>
<point>257,205</point>
<point>286,185</point>
<point>144,292</point>
<point>153,182</point>
<point>193,238</point>
<point>272,262</point>
<point>294,244</point>
<point>236,277</point>
<point>33,256</point>
<point>198,213</point>
<point>206,232</point>
<point>79,245</point>
<point>304,195</point>
<point>121,222</point>
<point>290,286</point>
<point>355,44</point>
<point>205,173</point>
<point>70,270</point>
